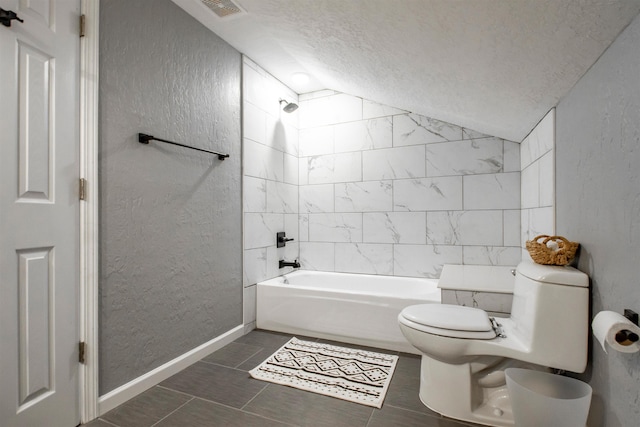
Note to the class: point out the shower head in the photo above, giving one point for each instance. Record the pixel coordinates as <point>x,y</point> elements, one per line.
<point>289,107</point>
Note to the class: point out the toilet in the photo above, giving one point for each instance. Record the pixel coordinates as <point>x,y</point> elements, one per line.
<point>465,351</point>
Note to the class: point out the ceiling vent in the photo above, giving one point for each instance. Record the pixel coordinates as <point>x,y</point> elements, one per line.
<point>224,8</point>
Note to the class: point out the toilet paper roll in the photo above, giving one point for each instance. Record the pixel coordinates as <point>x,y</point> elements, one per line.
<point>617,331</point>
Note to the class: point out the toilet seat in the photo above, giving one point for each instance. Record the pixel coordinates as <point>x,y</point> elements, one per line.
<point>449,321</point>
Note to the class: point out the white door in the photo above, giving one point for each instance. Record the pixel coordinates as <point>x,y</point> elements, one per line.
<point>39,214</point>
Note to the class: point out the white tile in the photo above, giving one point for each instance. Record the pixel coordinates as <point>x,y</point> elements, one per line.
<point>315,112</point>
<point>261,161</point>
<point>363,135</point>
<point>281,136</point>
<point>491,302</point>
<point>343,228</point>
<point>547,180</point>
<point>465,228</point>
<point>539,141</point>
<point>316,141</point>
<point>254,123</point>
<point>317,256</point>
<point>424,260</point>
<point>473,134</point>
<point>511,157</point>
<point>524,226</point>
<point>328,110</point>
<point>395,227</point>
<point>316,198</point>
<point>393,163</point>
<point>474,156</point>
<point>346,108</point>
<point>372,110</point>
<point>254,194</point>
<point>492,191</point>
<point>290,169</point>
<point>364,258</point>
<point>413,129</point>
<point>249,305</point>
<point>291,227</point>
<point>303,228</point>
<point>542,221</point>
<point>428,194</point>
<point>525,152</point>
<point>547,130</point>
<point>529,186</point>
<point>333,168</point>
<point>303,170</point>
<point>281,197</point>
<point>272,261</point>
<point>252,83</point>
<point>491,255</point>
<point>317,94</point>
<point>260,229</point>
<point>255,265</point>
<point>537,221</point>
<point>369,196</point>
<point>512,234</point>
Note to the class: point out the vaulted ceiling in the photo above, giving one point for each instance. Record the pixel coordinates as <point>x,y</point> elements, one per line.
<point>495,66</point>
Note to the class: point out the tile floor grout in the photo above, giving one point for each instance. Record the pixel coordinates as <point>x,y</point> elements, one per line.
<point>172,412</point>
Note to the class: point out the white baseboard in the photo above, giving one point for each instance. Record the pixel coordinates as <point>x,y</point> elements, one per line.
<point>144,382</point>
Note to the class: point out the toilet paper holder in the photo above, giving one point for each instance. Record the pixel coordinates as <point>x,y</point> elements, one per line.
<point>631,315</point>
<point>626,337</point>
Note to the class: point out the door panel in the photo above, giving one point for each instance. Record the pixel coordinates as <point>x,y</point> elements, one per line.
<point>39,214</point>
<point>35,299</point>
<point>36,141</point>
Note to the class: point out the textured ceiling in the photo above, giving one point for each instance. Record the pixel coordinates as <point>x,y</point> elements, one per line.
<point>496,66</point>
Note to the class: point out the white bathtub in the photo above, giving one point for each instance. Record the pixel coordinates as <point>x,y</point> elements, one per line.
<point>355,308</point>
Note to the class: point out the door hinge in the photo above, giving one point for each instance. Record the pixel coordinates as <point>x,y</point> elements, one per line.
<point>83,189</point>
<point>82,348</point>
<point>83,23</point>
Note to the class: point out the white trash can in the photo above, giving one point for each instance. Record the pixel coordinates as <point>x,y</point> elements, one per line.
<point>544,399</point>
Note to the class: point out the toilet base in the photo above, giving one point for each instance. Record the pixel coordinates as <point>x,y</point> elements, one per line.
<point>475,392</point>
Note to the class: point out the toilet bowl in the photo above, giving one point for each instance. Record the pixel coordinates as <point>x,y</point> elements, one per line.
<point>465,351</point>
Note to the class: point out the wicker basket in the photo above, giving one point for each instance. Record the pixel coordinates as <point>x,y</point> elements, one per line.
<point>542,254</point>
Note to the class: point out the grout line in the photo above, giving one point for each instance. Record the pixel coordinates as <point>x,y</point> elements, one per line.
<point>175,391</point>
<point>253,398</point>
<point>262,348</point>
<point>172,412</point>
<point>227,367</point>
<point>373,410</point>
<point>104,421</point>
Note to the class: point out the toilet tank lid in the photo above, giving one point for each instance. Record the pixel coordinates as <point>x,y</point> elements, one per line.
<point>554,274</point>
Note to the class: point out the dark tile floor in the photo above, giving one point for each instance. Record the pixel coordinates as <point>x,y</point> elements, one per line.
<point>218,391</point>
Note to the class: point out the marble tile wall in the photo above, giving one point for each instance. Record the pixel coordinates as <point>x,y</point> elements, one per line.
<point>383,191</point>
<point>496,304</point>
<point>537,202</point>
<point>270,180</point>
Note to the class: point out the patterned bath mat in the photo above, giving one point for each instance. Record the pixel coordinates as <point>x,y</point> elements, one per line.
<point>355,375</point>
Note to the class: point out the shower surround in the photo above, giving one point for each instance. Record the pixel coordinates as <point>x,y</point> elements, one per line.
<point>383,191</point>
<point>368,188</point>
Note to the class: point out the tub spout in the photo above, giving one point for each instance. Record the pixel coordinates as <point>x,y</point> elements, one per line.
<point>282,264</point>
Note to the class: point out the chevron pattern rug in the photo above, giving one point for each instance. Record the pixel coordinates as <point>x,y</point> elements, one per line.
<point>349,374</point>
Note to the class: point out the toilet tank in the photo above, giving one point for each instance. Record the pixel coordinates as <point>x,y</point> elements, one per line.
<point>550,314</point>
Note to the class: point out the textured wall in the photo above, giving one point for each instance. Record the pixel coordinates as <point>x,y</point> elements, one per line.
<point>537,183</point>
<point>270,183</point>
<point>598,204</point>
<point>170,218</point>
<point>387,192</point>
